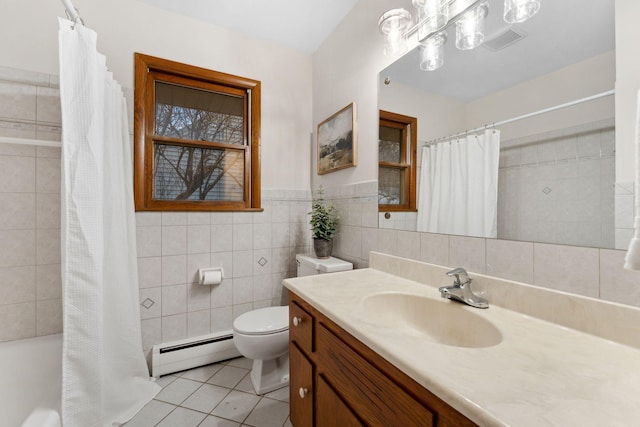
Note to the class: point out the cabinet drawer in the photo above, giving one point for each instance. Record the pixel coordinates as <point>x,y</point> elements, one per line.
<point>301,327</point>
<point>301,388</point>
<point>368,392</point>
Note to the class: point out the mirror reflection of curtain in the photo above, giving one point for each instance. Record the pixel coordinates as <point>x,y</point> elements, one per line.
<point>459,186</point>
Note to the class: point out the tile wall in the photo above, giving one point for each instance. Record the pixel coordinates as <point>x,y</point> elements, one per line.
<point>256,250</point>
<point>30,289</point>
<point>558,187</point>
<point>592,272</point>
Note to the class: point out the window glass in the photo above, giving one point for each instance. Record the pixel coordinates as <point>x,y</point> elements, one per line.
<point>193,173</point>
<point>200,115</point>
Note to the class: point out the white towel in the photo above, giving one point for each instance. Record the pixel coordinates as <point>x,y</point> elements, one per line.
<point>632,260</point>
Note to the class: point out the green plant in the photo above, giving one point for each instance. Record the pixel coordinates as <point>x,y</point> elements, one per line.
<point>324,219</point>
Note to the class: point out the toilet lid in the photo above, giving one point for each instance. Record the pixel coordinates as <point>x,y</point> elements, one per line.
<point>263,321</point>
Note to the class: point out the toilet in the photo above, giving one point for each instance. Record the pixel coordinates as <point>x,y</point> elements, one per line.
<point>262,335</point>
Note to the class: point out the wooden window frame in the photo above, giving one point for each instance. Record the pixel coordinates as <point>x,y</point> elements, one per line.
<point>148,70</point>
<point>409,125</point>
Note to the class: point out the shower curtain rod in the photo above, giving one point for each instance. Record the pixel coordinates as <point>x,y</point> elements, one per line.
<point>72,12</point>
<point>526,116</point>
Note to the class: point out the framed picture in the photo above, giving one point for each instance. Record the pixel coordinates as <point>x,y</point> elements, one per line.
<point>337,141</point>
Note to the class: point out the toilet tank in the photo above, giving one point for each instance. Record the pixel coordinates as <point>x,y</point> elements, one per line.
<point>309,265</point>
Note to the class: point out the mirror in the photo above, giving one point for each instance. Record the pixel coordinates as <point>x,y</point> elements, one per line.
<point>556,170</point>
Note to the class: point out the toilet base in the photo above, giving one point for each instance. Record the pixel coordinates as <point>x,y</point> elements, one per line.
<point>269,375</point>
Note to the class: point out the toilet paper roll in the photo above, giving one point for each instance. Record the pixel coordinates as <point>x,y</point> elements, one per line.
<point>209,278</point>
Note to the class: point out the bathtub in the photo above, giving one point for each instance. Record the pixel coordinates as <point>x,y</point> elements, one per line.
<point>31,382</point>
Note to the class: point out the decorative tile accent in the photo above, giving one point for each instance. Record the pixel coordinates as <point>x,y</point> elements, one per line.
<point>148,303</point>
<point>262,261</point>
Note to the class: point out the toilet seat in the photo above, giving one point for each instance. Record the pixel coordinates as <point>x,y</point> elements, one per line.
<point>263,321</point>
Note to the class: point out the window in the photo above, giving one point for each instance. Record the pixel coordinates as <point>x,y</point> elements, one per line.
<point>197,135</point>
<point>397,162</point>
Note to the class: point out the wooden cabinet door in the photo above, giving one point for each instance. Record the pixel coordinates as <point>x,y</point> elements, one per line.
<point>301,386</point>
<point>331,410</point>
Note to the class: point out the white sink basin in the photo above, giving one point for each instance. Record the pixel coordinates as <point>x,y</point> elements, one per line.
<point>441,321</point>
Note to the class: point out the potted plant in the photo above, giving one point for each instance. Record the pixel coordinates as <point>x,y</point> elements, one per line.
<point>324,223</point>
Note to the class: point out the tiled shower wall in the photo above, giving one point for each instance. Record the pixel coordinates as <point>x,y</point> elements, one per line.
<point>30,290</point>
<point>558,187</point>
<point>257,250</point>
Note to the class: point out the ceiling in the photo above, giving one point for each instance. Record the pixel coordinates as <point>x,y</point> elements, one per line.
<point>562,33</point>
<point>298,24</point>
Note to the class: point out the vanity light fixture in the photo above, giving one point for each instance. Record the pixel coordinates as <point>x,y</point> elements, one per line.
<point>393,25</point>
<point>516,11</point>
<point>470,27</point>
<point>432,52</point>
<point>434,16</point>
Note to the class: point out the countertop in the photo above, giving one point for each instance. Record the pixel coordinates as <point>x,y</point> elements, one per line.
<point>540,374</point>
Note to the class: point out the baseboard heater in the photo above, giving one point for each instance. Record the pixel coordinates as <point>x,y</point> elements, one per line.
<point>177,356</point>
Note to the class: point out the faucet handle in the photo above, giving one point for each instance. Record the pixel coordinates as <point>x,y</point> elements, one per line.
<point>457,272</point>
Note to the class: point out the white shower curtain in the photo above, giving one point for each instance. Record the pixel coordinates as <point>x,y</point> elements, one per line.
<point>105,379</point>
<point>459,186</point>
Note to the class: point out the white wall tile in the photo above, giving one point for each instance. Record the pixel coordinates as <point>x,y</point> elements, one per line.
<point>567,268</point>
<point>221,319</point>
<point>221,238</point>
<point>17,248</point>
<point>150,302</point>
<point>151,332</point>
<point>147,219</point>
<point>198,218</point>
<point>510,260</point>
<point>47,210</point>
<point>242,264</point>
<point>199,297</point>
<point>48,105</point>
<point>198,239</point>
<point>174,218</point>
<point>17,174</point>
<point>388,241</point>
<point>17,284</point>
<point>48,282</point>
<point>149,241</point>
<point>616,283</point>
<point>17,211</point>
<point>48,175</point>
<point>198,323</point>
<point>467,252</point>
<point>222,294</point>
<point>262,236</point>
<point>149,272</point>
<point>18,101</point>
<point>242,237</point>
<point>174,239</point>
<point>18,321</point>
<point>174,300</point>
<point>48,246</point>
<point>409,245</point>
<point>48,317</point>
<point>174,327</point>
<point>174,270</point>
<point>242,290</point>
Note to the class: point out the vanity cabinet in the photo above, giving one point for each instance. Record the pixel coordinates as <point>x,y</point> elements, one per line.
<point>338,381</point>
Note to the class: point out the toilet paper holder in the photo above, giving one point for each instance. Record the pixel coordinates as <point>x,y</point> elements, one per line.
<point>203,272</point>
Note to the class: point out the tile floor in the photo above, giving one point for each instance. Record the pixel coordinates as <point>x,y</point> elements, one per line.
<point>217,395</point>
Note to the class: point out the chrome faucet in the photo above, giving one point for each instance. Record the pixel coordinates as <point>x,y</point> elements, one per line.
<point>461,289</point>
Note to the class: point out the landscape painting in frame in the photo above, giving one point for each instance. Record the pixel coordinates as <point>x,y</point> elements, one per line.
<point>337,141</point>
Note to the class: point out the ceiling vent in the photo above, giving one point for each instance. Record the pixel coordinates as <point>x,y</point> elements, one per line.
<point>503,39</point>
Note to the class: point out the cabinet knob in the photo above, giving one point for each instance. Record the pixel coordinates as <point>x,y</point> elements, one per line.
<point>303,392</point>
<point>296,320</point>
